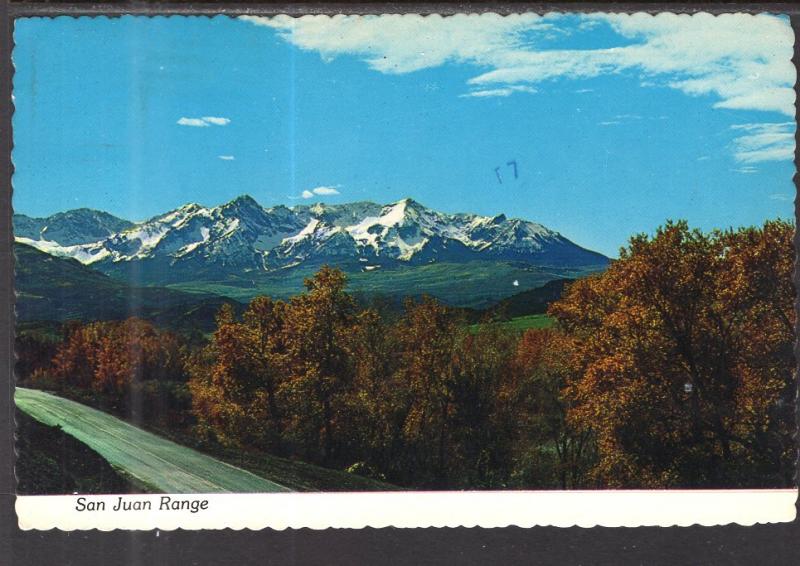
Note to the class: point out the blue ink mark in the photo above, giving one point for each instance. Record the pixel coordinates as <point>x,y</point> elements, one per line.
<point>514,165</point>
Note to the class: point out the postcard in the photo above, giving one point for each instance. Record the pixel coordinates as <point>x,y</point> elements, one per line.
<point>395,270</point>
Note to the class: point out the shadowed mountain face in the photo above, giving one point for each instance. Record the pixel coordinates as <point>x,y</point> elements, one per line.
<point>79,226</point>
<point>243,239</point>
<point>57,289</point>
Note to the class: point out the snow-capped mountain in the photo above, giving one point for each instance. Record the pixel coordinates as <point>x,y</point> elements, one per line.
<point>79,226</point>
<point>242,237</point>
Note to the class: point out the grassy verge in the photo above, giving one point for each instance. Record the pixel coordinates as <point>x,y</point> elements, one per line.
<point>50,462</point>
<point>294,474</point>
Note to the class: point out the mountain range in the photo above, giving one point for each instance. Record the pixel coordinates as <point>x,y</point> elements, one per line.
<point>242,239</point>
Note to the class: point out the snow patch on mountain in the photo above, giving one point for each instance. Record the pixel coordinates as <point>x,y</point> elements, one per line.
<point>307,231</point>
<point>85,254</point>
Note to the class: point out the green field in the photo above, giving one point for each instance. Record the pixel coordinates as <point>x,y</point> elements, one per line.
<point>531,321</point>
<point>473,284</point>
<point>522,323</point>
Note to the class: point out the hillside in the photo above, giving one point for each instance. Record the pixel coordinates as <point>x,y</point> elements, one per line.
<point>79,226</point>
<point>57,289</point>
<point>523,310</point>
<point>530,302</point>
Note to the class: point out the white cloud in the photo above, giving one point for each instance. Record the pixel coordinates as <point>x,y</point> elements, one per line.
<point>204,122</point>
<point>194,122</point>
<point>764,142</point>
<point>325,191</point>
<point>504,91</point>
<point>747,170</point>
<point>217,121</point>
<point>743,60</point>
<point>397,43</point>
<point>319,191</point>
<point>226,157</point>
<point>619,119</point>
<point>781,196</point>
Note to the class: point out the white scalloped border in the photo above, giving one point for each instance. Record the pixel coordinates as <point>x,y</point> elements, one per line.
<point>607,508</point>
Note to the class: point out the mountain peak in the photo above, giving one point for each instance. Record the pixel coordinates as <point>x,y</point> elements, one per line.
<point>190,207</point>
<point>244,199</point>
<point>408,201</point>
<point>83,210</point>
<point>243,204</point>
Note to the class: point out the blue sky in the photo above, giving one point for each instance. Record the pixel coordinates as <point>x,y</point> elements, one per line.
<point>615,123</point>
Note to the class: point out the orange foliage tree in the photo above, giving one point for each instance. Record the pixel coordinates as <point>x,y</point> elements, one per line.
<point>114,359</point>
<point>319,328</point>
<point>549,450</point>
<point>681,358</point>
<point>235,380</point>
<point>426,338</point>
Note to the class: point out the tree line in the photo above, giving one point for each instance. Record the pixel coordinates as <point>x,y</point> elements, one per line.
<point>673,368</point>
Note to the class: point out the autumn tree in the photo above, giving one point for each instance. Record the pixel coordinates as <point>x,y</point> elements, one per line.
<point>485,415</point>
<point>122,363</point>
<point>757,284</point>
<point>34,353</point>
<point>682,358</point>
<point>365,420</point>
<point>549,451</point>
<point>236,378</point>
<point>422,416</point>
<point>319,326</point>
<point>133,351</point>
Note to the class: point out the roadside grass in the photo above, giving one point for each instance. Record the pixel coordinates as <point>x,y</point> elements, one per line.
<point>294,474</point>
<point>51,462</point>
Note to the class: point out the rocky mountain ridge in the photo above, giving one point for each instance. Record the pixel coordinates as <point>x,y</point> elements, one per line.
<point>242,237</point>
